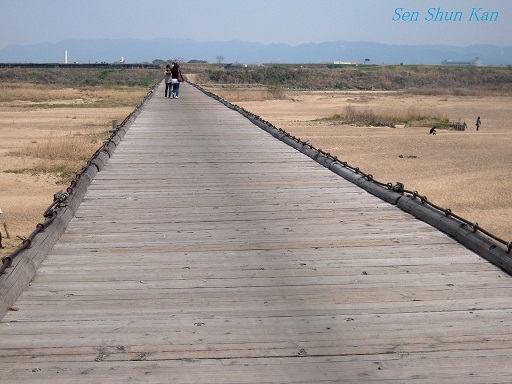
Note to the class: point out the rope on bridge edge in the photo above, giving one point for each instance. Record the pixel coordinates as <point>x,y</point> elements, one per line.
<point>60,198</point>
<point>398,188</point>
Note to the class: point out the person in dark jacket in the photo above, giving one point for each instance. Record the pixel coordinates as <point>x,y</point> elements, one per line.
<point>176,80</point>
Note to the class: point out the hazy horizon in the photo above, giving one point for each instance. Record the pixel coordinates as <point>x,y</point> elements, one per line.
<point>292,22</point>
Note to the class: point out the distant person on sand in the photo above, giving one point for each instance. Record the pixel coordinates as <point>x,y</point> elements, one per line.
<point>1,245</point>
<point>478,123</point>
<point>432,130</point>
<point>168,85</point>
<point>176,79</point>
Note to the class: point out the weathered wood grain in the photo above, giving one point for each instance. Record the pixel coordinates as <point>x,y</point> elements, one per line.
<point>206,251</point>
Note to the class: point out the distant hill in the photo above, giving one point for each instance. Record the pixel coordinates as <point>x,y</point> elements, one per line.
<point>140,51</point>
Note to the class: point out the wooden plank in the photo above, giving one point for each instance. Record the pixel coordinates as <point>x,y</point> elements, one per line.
<point>207,251</point>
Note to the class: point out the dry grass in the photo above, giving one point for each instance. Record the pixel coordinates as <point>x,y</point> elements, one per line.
<point>388,117</point>
<point>319,77</point>
<point>10,92</point>
<point>60,155</point>
<point>74,147</point>
<point>465,171</point>
<point>47,133</point>
<point>25,95</point>
<point>238,92</point>
<point>460,91</point>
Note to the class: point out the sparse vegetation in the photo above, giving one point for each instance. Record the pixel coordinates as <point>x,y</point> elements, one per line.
<point>81,104</point>
<point>250,93</point>
<point>81,77</point>
<point>63,155</point>
<point>451,80</point>
<point>23,95</point>
<point>388,118</point>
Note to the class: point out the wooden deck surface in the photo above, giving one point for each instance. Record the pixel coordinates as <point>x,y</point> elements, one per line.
<point>207,251</point>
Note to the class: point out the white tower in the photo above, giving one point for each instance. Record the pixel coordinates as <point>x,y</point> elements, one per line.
<point>65,57</point>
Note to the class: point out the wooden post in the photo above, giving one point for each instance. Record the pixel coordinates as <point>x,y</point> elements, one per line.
<point>114,126</point>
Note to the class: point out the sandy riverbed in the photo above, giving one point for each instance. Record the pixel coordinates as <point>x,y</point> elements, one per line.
<point>468,171</point>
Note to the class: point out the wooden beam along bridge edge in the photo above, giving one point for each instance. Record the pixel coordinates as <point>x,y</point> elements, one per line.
<point>19,268</point>
<point>207,251</point>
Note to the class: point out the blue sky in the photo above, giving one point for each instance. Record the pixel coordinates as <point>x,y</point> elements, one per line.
<point>265,21</point>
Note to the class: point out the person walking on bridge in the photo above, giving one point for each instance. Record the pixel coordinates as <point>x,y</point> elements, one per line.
<point>168,85</point>
<point>176,80</point>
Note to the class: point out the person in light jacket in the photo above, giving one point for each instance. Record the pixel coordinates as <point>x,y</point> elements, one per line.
<point>168,85</point>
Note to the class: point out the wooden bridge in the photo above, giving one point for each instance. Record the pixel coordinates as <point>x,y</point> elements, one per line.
<point>207,251</point>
